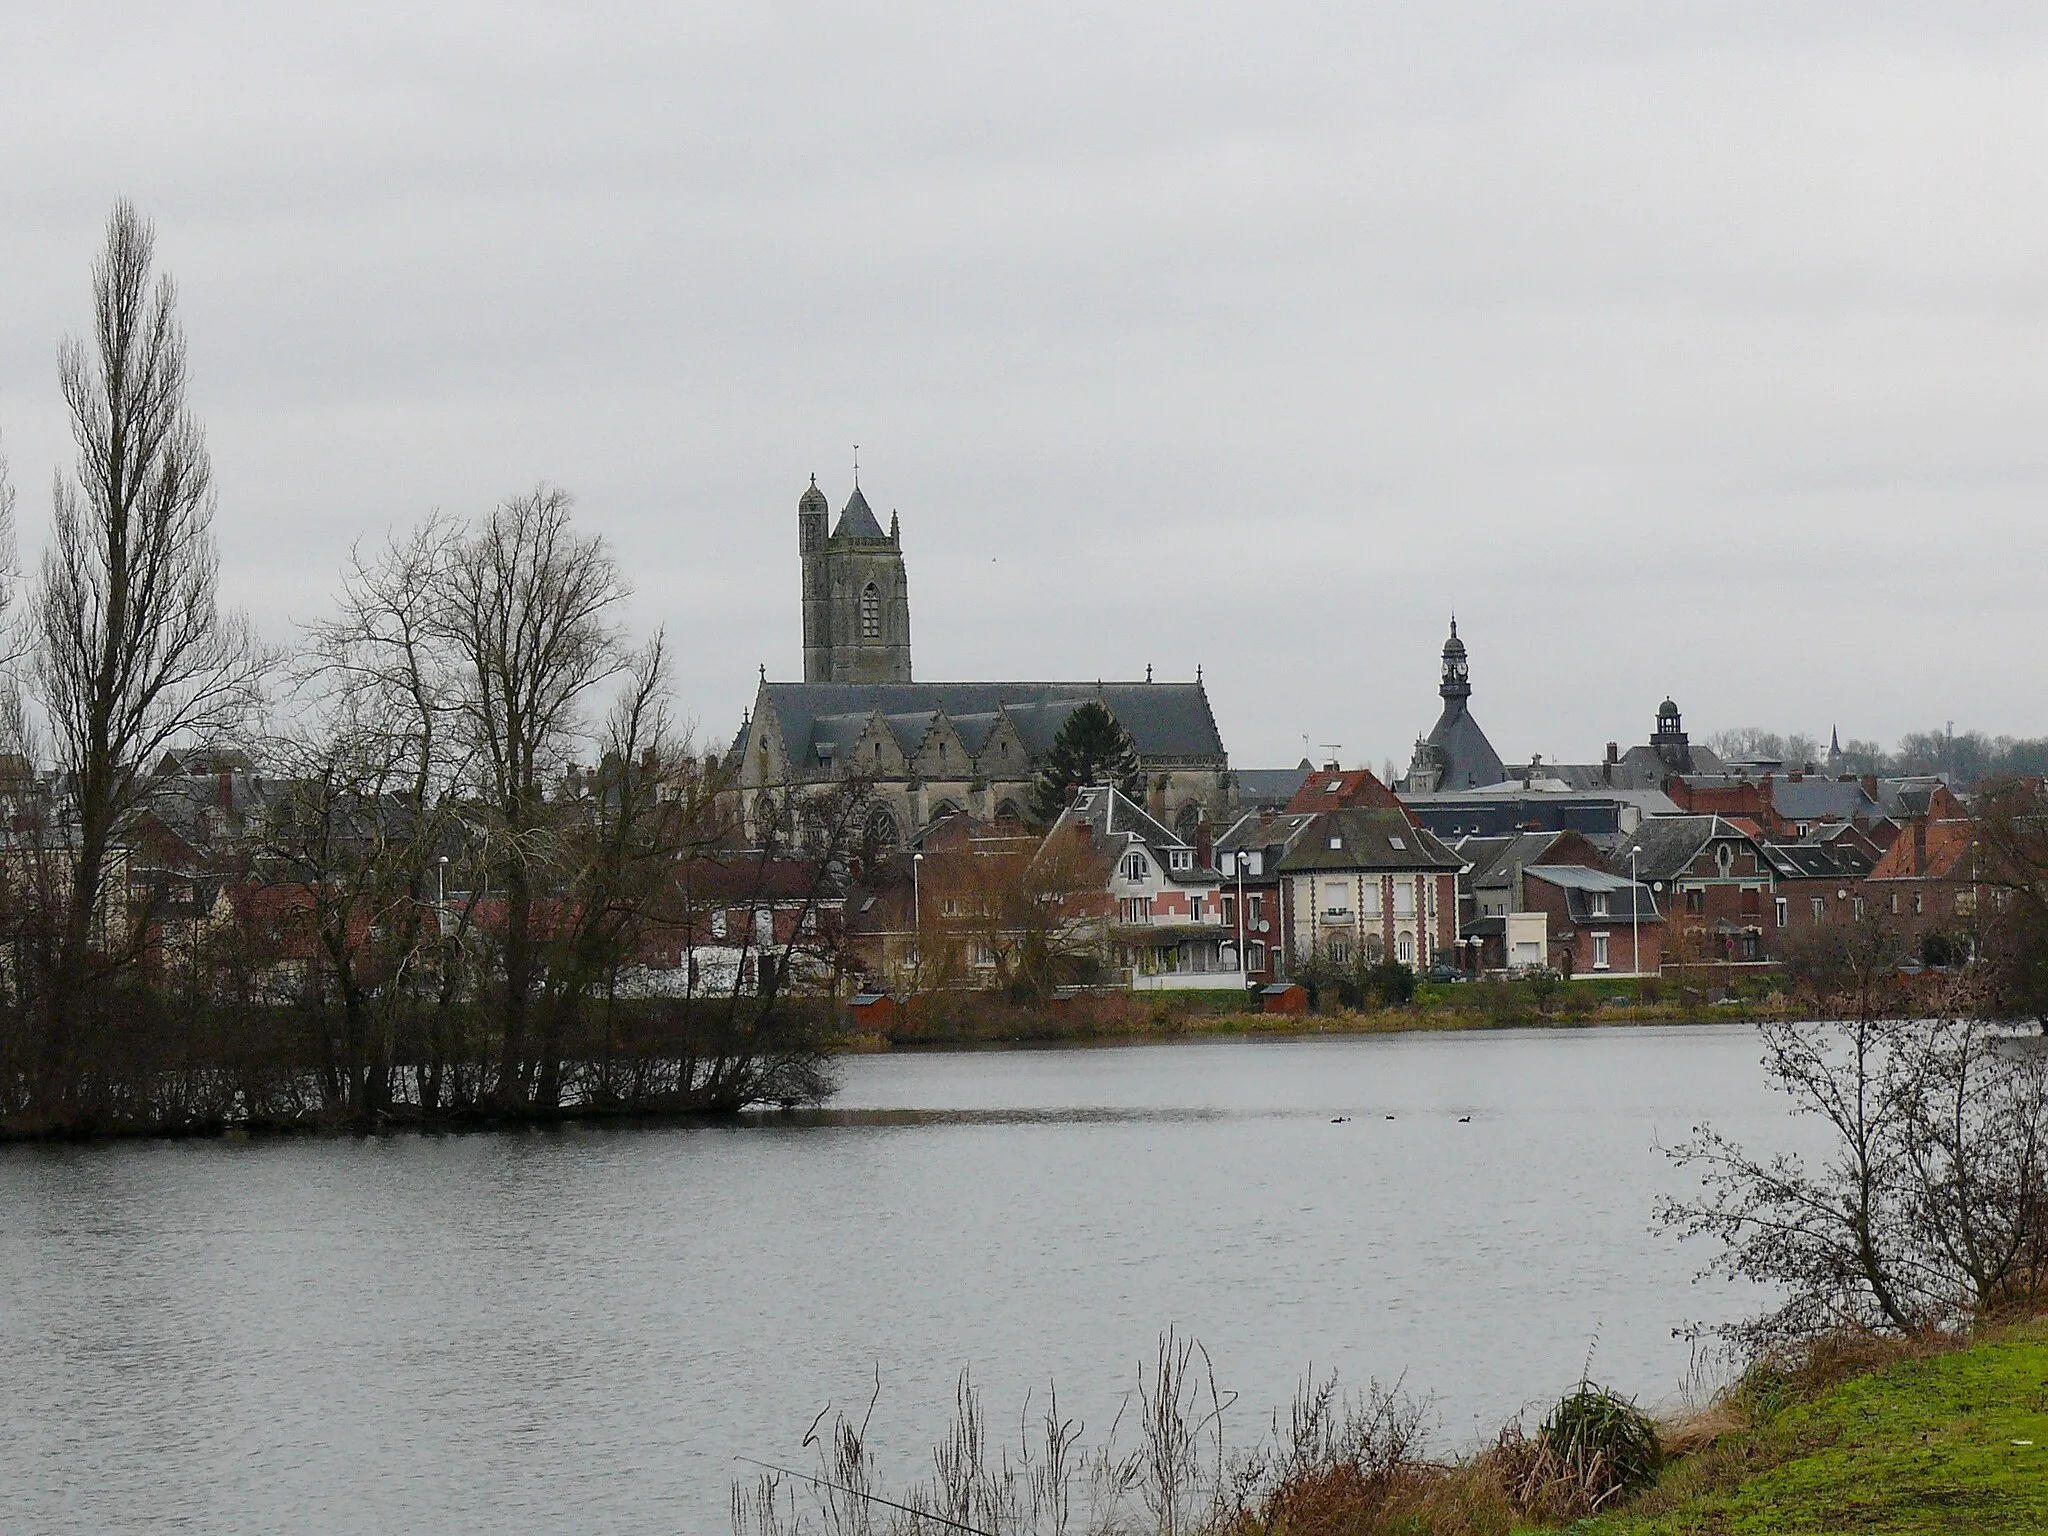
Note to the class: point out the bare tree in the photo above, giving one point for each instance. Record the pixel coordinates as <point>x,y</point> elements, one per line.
<point>526,612</point>
<point>131,650</point>
<point>1927,1206</point>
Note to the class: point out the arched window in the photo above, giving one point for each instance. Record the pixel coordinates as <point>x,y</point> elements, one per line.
<point>870,615</point>
<point>1006,810</point>
<point>1406,945</point>
<point>1375,948</point>
<point>880,832</point>
<point>1255,956</point>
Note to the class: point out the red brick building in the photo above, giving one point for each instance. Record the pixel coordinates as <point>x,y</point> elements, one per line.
<point>1595,920</point>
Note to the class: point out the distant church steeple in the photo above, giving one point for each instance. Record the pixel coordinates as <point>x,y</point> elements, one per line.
<point>856,598</point>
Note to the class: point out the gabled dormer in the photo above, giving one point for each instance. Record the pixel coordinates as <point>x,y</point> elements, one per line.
<point>942,755</point>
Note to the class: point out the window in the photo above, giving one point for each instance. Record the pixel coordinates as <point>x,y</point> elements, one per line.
<point>1405,946</point>
<point>1134,911</point>
<point>1966,903</point>
<point>718,925</point>
<point>1784,912</point>
<point>1724,858</point>
<point>1258,861</point>
<point>1918,905</point>
<point>1372,896</point>
<point>1337,898</point>
<point>1859,909</point>
<point>1230,912</point>
<point>1599,903</point>
<point>1136,867</point>
<point>764,927</point>
<point>1181,858</point>
<point>1374,948</point>
<point>1404,897</point>
<point>870,615</point>
<point>1820,908</point>
<point>1255,957</point>
<point>1895,903</point>
<point>1194,909</point>
<point>950,907</point>
<point>1338,949</point>
<point>1599,951</point>
<point>1336,845</point>
<point>1395,842</point>
<point>1254,910</point>
<point>1696,901</point>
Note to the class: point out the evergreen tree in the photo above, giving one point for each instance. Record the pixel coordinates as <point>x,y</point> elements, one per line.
<point>1091,748</point>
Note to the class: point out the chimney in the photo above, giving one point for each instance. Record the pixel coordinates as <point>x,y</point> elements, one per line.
<point>1613,752</point>
<point>1331,766</point>
<point>1205,845</point>
<point>1920,845</point>
<point>1870,785</point>
<point>227,789</point>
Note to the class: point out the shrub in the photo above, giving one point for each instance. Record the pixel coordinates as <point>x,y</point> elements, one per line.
<point>1595,1425</point>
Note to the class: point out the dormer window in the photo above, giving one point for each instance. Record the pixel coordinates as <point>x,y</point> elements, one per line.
<point>1181,859</point>
<point>1599,903</point>
<point>1136,867</point>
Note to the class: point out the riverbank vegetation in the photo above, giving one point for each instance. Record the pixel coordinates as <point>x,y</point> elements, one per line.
<point>1899,1383</point>
<point>480,830</point>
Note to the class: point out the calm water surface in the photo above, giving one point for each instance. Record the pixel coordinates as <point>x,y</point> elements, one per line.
<point>579,1331</point>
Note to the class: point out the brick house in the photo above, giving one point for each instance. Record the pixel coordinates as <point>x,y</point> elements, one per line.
<point>1165,925</point>
<point>1931,880</point>
<point>1594,920</point>
<point>1248,858</point>
<point>1369,884</point>
<point>1818,885</point>
<point>1712,880</point>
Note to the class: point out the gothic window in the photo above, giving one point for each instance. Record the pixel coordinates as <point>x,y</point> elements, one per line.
<point>881,832</point>
<point>870,615</point>
<point>1006,810</point>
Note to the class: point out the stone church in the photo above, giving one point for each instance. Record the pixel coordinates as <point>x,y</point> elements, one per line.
<point>926,750</point>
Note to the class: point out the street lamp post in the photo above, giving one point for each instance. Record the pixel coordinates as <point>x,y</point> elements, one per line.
<point>1635,918</point>
<point>916,909</point>
<point>1243,970</point>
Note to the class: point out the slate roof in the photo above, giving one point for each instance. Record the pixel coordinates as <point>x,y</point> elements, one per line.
<point>1497,813</point>
<point>1366,839</point>
<point>1165,720</point>
<point>1493,859</point>
<point>1667,844</point>
<point>1117,822</point>
<point>1260,788</point>
<point>1814,861</point>
<point>1468,757</point>
<point>1625,897</point>
<point>856,521</point>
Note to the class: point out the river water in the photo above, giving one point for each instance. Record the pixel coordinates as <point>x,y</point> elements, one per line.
<point>579,1330</point>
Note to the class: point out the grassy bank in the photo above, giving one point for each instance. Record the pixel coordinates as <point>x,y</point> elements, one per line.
<point>971,1019</point>
<point>1933,1441</point>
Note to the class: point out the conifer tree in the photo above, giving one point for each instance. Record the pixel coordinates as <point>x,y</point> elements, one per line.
<point>1091,748</point>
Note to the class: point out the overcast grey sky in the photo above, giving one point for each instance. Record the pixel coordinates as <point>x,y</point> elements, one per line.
<point>1688,349</point>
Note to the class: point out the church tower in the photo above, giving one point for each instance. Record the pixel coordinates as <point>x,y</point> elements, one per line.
<point>856,599</point>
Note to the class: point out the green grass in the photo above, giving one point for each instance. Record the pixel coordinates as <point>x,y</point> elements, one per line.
<point>1926,1445</point>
